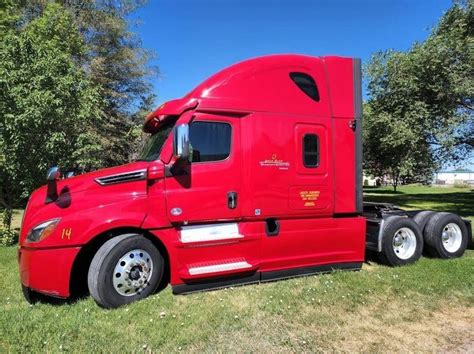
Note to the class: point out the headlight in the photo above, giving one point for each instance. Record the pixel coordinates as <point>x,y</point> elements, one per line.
<point>42,231</point>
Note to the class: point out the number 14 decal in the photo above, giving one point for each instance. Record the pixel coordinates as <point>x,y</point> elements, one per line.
<point>66,234</point>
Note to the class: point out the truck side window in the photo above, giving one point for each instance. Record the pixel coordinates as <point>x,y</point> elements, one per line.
<point>306,84</point>
<point>311,150</point>
<point>210,141</point>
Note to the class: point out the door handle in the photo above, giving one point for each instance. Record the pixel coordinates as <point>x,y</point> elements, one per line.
<point>232,200</point>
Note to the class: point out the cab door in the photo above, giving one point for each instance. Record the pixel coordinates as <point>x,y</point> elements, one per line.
<point>209,190</point>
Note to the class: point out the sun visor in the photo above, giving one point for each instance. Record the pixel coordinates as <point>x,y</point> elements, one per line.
<point>166,111</point>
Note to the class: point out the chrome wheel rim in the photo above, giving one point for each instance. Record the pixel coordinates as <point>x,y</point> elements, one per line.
<point>404,243</point>
<point>451,237</point>
<point>133,272</point>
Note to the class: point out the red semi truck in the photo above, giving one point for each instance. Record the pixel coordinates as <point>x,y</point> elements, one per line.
<point>254,175</point>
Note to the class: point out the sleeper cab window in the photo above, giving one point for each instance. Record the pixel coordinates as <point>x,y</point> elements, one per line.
<point>210,141</point>
<point>311,150</point>
<point>306,84</point>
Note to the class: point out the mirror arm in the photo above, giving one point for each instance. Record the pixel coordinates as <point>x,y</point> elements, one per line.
<point>177,168</point>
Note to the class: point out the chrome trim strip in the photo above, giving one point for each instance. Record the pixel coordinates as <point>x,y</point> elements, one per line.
<point>219,268</point>
<point>209,232</point>
<point>122,177</point>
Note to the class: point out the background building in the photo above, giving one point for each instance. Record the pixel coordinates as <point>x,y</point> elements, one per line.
<point>460,176</point>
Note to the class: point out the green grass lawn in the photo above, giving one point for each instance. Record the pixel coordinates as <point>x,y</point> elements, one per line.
<point>456,200</point>
<point>428,306</point>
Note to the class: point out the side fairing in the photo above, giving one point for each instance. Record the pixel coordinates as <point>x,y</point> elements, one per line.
<point>344,84</point>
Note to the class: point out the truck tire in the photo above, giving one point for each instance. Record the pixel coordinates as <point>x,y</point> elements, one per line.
<point>446,236</point>
<point>402,241</point>
<point>422,218</point>
<point>31,296</point>
<point>125,269</point>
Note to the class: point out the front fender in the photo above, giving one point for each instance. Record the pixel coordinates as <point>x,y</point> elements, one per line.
<point>78,227</point>
<point>132,214</point>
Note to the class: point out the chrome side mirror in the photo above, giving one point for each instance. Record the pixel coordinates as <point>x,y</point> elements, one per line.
<point>181,146</point>
<point>52,176</point>
<point>53,173</point>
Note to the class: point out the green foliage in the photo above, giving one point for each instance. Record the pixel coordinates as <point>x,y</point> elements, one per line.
<point>8,236</point>
<point>461,185</point>
<point>420,114</point>
<point>394,145</point>
<point>74,89</point>
<point>9,16</point>
<point>47,104</point>
<point>117,64</point>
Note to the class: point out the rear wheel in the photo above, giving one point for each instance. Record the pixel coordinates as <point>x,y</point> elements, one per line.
<point>125,269</point>
<point>446,235</point>
<point>402,242</point>
<point>422,218</point>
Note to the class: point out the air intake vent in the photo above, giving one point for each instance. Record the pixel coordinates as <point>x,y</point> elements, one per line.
<point>122,178</point>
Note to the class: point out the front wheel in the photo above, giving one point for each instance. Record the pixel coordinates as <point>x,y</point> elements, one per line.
<point>402,242</point>
<point>31,296</point>
<point>125,269</point>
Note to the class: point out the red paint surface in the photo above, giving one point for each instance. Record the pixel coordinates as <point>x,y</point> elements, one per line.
<point>269,115</point>
<point>47,270</point>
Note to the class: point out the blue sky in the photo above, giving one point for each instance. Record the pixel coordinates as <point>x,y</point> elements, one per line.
<point>195,38</point>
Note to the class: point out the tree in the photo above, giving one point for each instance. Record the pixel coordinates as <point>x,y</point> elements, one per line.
<point>116,62</point>
<point>419,113</point>
<point>74,83</point>
<point>47,105</point>
<point>395,148</point>
<point>444,70</point>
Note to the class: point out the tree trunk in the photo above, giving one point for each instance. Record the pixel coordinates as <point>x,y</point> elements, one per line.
<point>395,182</point>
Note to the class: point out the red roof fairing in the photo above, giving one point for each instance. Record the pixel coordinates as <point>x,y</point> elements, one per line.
<point>263,84</point>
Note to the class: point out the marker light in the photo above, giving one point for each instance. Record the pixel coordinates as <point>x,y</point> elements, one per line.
<point>42,231</point>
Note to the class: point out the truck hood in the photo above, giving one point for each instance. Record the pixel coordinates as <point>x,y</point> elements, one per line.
<point>91,191</point>
<point>92,180</point>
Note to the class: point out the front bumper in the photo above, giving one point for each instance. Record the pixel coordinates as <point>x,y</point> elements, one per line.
<point>47,271</point>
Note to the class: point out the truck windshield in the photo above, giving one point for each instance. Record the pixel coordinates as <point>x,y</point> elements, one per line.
<point>152,148</point>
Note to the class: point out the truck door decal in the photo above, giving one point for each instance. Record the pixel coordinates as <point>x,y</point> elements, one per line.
<point>309,197</point>
<point>275,162</point>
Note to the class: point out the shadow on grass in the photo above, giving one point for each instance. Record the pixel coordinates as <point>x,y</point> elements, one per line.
<point>54,301</point>
<point>459,203</point>
<point>372,257</point>
<point>381,191</point>
<point>34,297</point>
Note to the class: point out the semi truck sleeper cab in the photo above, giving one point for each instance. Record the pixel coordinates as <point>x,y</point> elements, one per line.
<point>254,175</point>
